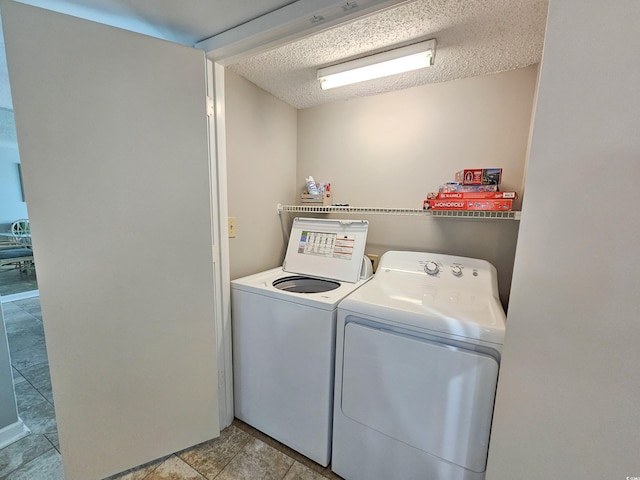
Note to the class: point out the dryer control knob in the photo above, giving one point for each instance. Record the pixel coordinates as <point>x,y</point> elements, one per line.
<point>456,270</point>
<point>431,268</point>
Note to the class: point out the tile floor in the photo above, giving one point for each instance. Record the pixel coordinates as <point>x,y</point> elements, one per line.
<point>14,280</point>
<point>241,452</point>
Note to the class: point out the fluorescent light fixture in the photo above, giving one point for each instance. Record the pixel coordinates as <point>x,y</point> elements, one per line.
<point>391,62</point>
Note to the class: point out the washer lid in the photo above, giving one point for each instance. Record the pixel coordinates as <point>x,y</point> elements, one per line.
<point>326,248</point>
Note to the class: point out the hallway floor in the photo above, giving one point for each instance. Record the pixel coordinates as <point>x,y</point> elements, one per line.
<point>241,452</point>
<point>14,280</point>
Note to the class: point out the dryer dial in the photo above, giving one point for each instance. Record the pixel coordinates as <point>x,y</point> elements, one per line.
<point>456,270</point>
<point>431,268</point>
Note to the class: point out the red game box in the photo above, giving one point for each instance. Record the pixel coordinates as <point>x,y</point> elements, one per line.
<point>503,205</point>
<point>479,176</point>
<point>474,195</point>
<point>457,187</point>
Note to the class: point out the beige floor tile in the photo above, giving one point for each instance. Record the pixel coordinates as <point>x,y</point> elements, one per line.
<point>310,464</point>
<point>210,458</point>
<point>140,472</point>
<point>174,469</point>
<point>257,460</point>
<point>300,472</point>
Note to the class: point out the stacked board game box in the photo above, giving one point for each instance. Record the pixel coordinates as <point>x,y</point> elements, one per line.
<point>503,205</point>
<point>479,176</point>
<point>474,189</point>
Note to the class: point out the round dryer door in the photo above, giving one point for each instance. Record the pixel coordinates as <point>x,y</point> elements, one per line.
<point>300,284</point>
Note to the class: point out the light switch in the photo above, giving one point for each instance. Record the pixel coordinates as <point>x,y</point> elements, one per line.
<point>232,227</point>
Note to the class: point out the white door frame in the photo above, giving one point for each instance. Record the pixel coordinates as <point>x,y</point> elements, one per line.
<point>220,211</point>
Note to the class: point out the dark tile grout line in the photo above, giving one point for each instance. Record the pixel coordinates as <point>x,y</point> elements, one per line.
<point>34,387</point>
<point>49,440</point>
<point>153,470</point>
<point>226,464</point>
<point>289,469</point>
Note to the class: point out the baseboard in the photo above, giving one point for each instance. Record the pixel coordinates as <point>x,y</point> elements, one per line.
<point>13,433</point>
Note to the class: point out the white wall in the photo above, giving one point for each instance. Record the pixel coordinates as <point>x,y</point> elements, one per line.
<point>390,150</point>
<point>567,402</point>
<point>261,172</point>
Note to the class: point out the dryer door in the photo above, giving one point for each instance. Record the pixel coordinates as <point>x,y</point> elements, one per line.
<point>432,396</point>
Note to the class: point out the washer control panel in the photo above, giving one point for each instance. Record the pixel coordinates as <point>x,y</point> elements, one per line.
<point>437,268</point>
<point>446,271</point>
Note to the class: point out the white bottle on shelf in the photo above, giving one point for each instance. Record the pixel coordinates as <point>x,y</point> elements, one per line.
<point>311,185</point>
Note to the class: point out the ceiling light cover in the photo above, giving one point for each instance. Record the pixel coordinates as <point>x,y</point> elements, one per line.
<point>390,62</point>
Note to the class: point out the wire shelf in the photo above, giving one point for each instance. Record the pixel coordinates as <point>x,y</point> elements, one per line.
<point>490,214</point>
<point>477,214</point>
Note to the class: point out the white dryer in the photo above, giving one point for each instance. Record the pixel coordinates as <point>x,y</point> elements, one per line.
<point>283,324</point>
<point>417,356</point>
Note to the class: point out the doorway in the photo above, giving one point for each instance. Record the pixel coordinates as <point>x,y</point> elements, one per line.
<point>18,278</point>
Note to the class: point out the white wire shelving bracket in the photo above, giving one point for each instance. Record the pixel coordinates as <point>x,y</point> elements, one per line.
<point>479,214</point>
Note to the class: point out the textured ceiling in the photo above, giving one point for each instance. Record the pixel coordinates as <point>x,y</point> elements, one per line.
<point>474,37</point>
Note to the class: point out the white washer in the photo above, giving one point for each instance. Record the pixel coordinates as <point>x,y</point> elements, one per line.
<point>283,323</point>
<point>417,355</point>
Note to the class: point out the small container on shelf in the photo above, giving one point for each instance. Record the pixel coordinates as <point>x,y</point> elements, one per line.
<point>311,186</point>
